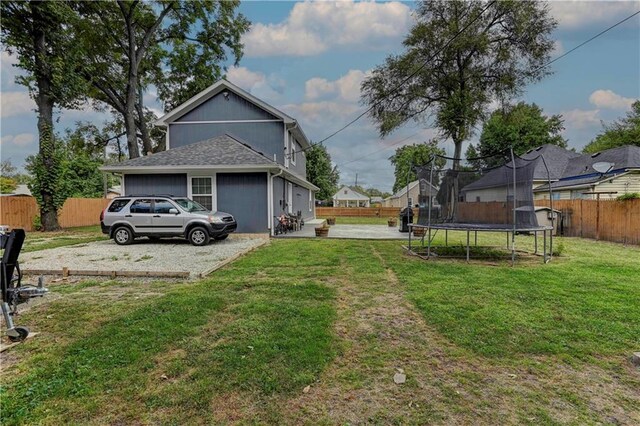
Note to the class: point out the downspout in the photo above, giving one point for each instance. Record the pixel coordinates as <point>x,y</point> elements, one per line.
<point>270,209</point>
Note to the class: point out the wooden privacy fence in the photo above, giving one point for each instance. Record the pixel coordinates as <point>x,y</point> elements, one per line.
<point>360,211</point>
<point>609,220</point>
<point>19,212</point>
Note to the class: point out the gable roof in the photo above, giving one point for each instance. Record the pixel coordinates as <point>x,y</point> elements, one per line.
<point>557,161</point>
<point>220,86</point>
<point>581,172</point>
<point>352,194</point>
<point>403,191</point>
<point>223,150</point>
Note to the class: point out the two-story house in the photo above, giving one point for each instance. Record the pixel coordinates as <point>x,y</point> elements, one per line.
<point>231,152</point>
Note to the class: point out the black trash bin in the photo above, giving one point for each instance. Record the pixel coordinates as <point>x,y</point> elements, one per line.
<point>405,218</point>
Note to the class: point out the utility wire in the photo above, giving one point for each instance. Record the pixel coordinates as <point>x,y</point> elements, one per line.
<point>379,150</point>
<point>402,83</point>
<point>449,42</point>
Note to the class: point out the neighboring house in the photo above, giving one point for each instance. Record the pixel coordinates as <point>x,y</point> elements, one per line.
<point>232,152</point>
<point>399,199</point>
<point>376,201</point>
<point>582,181</point>
<point>113,192</point>
<point>349,197</point>
<point>20,191</point>
<point>491,186</point>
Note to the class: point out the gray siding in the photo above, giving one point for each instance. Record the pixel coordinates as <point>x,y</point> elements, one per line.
<point>278,196</point>
<point>267,138</point>
<point>235,108</point>
<point>301,201</point>
<point>244,195</point>
<point>174,184</point>
<point>300,167</point>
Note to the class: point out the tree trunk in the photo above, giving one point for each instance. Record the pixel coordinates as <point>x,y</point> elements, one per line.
<point>147,146</point>
<point>45,103</point>
<point>457,153</point>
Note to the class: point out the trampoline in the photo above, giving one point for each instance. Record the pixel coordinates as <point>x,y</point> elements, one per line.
<point>494,196</point>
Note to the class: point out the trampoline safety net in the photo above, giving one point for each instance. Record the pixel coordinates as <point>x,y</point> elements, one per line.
<point>465,197</point>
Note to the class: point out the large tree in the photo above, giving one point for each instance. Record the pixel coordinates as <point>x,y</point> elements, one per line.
<point>625,131</point>
<point>407,157</point>
<point>321,173</point>
<point>178,46</point>
<point>460,56</point>
<point>522,126</point>
<point>38,33</point>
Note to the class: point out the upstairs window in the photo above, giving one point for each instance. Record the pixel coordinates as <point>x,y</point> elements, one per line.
<point>292,150</point>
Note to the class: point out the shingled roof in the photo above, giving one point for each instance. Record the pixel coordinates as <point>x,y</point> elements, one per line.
<point>223,150</point>
<point>557,160</point>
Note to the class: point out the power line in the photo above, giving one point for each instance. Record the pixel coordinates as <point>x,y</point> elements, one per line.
<point>449,42</point>
<point>402,83</point>
<point>588,41</point>
<point>379,150</point>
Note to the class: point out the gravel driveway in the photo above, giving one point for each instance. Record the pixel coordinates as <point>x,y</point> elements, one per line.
<point>172,255</point>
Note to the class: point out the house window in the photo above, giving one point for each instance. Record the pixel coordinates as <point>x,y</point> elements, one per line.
<point>202,191</point>
<point>555,196</point>
<point>293,151</point>
<point>410,202</point>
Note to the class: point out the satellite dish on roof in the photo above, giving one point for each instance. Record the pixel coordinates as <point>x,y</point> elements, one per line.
<point>602,166</point>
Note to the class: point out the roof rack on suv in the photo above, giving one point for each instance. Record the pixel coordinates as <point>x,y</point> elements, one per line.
<point>147,195</point>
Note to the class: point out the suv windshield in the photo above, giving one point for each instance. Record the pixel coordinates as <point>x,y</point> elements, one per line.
<point>190,205</point>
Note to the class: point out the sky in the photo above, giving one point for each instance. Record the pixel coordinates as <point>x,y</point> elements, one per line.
<point>309,58</point>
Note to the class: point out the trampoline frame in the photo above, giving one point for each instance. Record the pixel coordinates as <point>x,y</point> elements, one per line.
<point>477,227</point>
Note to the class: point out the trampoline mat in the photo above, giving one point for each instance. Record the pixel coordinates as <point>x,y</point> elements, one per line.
<point>496,227</point>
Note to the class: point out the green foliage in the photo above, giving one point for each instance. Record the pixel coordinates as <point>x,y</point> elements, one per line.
<point>625,131</point>
<point>8,170</point>
<point>177,46</point>
<point>522,126</point>
<point>558,248</point>
<point>628,196</point>
<point>7,185</point>
<point>454,82</point>
<point>46,170</point>
<point>74,173</point>
<point>37,223</point>
<point>409,156</point>
<point>321,173</point>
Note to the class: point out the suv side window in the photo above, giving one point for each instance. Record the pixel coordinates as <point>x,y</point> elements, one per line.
<point>140,206</point>
<point>162,206</point>
<point>118,205</point>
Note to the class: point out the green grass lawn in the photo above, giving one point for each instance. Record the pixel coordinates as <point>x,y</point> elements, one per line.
<point>309,331</point>
<point>37,240</point>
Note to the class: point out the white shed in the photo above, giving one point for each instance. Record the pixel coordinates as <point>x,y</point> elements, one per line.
<point>349,197</point>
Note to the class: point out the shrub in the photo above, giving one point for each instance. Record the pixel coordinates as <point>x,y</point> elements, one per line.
<point>558,249</point>
<point>629,196</point>
<point>37,223</point>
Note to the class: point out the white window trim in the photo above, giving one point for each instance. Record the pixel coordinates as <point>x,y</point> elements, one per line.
<point>292,150</point>
<point>214,187</point>
<point>310,199</point>
<point>289,197</point>
<point>286,147</point>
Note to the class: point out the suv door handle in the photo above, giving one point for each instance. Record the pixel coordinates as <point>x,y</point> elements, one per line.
<point>128,215</point>
<point>156,215</point>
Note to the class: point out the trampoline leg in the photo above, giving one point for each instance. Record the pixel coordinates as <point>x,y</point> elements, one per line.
<point>467,246</point>
<point>544,233</point>
<point>446,238</point>
<point>409,240</point>
<point>476,238</point>
<point>535,242</point>
<point>428,243</point>
<point>507,241</point>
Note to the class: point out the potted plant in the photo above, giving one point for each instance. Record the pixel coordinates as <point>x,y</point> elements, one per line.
<point>322,231</point>
<point>392,222</point>
<point>417,232</point>
<point>331,221</point>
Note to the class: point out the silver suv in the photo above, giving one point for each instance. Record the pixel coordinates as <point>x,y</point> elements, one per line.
<point>156,216</point>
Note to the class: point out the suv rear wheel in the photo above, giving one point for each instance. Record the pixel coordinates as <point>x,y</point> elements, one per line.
<point>198,236</point>
<point>122,235</point>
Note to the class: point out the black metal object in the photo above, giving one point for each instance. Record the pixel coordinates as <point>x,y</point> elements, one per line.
<point>11,288</point>
<point>405,218</point>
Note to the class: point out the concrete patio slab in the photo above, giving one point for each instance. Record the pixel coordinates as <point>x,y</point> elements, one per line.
<point>352,232</point>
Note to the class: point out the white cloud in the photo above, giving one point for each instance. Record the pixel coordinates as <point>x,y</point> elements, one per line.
<point>22,139</point>
<point>16,103</point>
<point>268,88</point>
<point>580,118</point>
<point>572,14</point>
<point>346,87</point>
<point>610,99</point>
<point>314,27</point>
